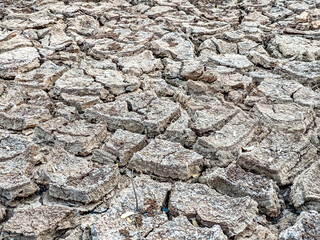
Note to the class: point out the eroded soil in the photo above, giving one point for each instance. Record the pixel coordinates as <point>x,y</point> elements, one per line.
<point>160,119</point>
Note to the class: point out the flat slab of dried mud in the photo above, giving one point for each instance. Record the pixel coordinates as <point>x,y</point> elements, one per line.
<point>160,119</point>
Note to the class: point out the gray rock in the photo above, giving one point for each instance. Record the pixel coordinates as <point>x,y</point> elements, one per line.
<point>49,220</point>
<point>89,188</point>
<point>212,208</point>
<point>77,137</point>
<point>174,46</point>
<point>150,115</point>
<point>288,117</point>
<point>16,164</point>
<point>144,62</point>
<point>150,197</point>
<point>167,159</point>
<point>180,228</point>
<point>211,117</point>
<point>179,131</point>
<point>44,76</point>
<point>232,60</point>
<point>306,227</point>
<point>24,116</point>
<point>257,231</point>
<point>304,192</point>
<point>303,72</point>
<point>117,83</point>
<point>236,182</point>
<point>280,156</point>
<point>76,82</point>
<point>2,213</point>
<point>222,146</point>
<point>18,60</point>
<point>120,147</point>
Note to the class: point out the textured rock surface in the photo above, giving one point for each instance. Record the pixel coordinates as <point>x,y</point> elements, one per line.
<point>159,119</point>
<point>166,159</point>
<point>48,219</point>
<point>236,182</point>
<point>280,156</point>
<point>306,227</point>
<point>181,228</point>
<point>304,193</point>
<point>212,208</point>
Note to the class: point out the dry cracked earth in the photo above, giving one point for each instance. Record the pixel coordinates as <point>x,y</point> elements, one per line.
<point>163,119</point>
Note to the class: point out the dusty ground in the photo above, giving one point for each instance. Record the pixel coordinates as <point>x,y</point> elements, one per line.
<point>160,119</point>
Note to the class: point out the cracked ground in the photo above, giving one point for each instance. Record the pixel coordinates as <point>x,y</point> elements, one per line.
<point>160,119</point>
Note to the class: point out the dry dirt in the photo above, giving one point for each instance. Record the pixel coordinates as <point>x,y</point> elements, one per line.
<point>160,119</point>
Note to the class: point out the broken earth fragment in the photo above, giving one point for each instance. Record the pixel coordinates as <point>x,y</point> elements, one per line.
<point>212,208</point>
<point>167,159</point>
<point>49,220</point>
<point>180,228</point>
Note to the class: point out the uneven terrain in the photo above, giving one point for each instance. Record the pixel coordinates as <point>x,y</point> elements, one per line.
<point>160,119</point>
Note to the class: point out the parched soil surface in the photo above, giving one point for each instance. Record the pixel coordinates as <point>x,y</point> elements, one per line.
<point>160,119</point>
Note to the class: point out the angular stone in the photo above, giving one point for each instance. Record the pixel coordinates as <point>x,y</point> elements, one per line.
<point>222,146</point>
<point>117,83</point>
<point>13,41</point>
<point>79,102</point>
<point>24,116</point>
<point>77,137</point>
<point>61,167</point>
<point>232,60</point>
<point>235,182</point>
<point>43,77</point>
<point>192,69</point>
<point>298,47</point>
<point>180,228</point>
<point>22,21</point>
<point>179,131</point>
<point>228,82</point>
<point>49,220</point>
<point>83,24</point>
<point>212,208</point>
<point>276,90</point>
<point>116,115</point>
<point>304,72</point>
<point>257,231</point>
<point>89,188</point>
<point>151,197</point>
<point>288,117</point>
<point>76,82</point>
<point>16,165</point>
<point>262,60</point>
<point>166,159</point>
<point>18,60</point>
<point>150,116</point>
<point>120,147</point>
<point>307,226</point>
<point>56,39</point>
<point>174,46</point>
<point>144,62</point>
<point>305,193</point>
<point>207,117</point>
<point>280,156</point>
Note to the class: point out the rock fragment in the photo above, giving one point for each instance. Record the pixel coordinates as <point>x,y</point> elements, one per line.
<point>280,156</point>
<point>221,147</point>
<point>236,182</point>
<point>211,208</point>
<point>78,137</point>
<point>305,194</point>
<point>167,159</point>
<point>18,60</point>
<point>49,220</point>
<point>306,227</point>
<point>120,147</point>
<point>232,60</point>
<point>180,228</point>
